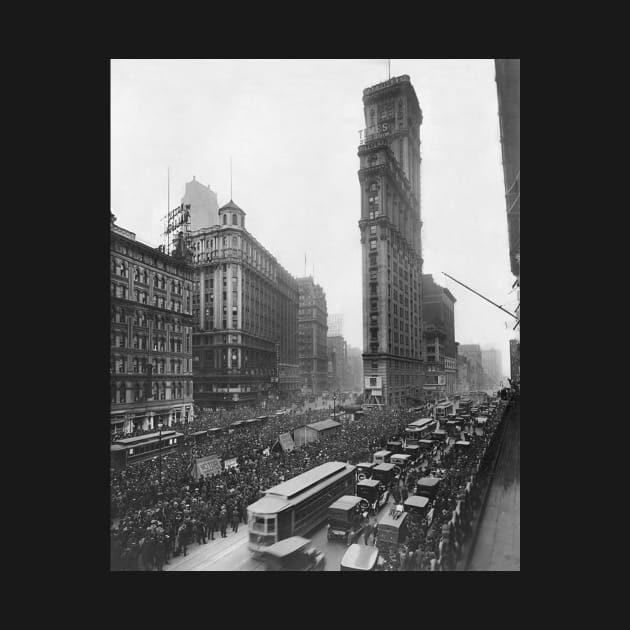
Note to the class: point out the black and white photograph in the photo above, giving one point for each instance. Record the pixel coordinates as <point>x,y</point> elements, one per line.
<point>314,315</point>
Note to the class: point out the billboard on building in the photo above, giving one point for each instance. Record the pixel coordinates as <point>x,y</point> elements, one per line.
<point>372,382</point>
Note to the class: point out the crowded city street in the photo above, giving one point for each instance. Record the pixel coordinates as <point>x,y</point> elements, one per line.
<point>201,524</point>
<point>305,379</point>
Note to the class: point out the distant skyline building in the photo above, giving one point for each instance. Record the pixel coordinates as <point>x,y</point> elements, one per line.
<point>355,369</point>
<point>312,334</point>
<point>463,383</point>
<point>438,311</point>
<point>476,378</point>
<point>491,362</point>
<point>337,362</point>
<point>390,226</point>
<point>204,205</point>
<point>335,324</point>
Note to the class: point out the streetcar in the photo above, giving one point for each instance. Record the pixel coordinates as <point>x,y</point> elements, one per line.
<point>419,429</point>
<point>197,438</point>
<point>443,409</point>
<point>299,505</point>
<point>143,447</point>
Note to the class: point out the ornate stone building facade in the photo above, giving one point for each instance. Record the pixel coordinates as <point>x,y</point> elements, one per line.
<point>246,317</point>
<point>151,335</point>
<point>390,225</point>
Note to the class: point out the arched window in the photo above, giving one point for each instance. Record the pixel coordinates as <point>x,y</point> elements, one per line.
<point>225,219</point>
<point>234,219</point>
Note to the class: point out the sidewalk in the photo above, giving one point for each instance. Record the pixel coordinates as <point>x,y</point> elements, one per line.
<point>212,551</point>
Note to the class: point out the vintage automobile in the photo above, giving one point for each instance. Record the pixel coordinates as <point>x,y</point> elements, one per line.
<point>373,494</point>
<point>392,529</point>
<point>361,558</point>
<point>439,435</point>
<point>382,457</point>
<point>417,506</point>
<point>293,554</point>
<point>413,450</point>
<point>344,517</point>
<point>395,446</point>
<point>427,487</point>
<point>451,426</point>
<point>384,473</point>
<point>426,444</point>
<point>364,470</point>
<point>401,463</point>
<point>462,445</point>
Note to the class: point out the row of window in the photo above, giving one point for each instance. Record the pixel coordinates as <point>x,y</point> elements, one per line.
<point>120,339</point>
<point>146,258</point>
<point>142,297</point>
<point>119,316</point>
<point>139,365</point>
<point>322,499</point>
<point>136,392</point>
<point>121,268</point>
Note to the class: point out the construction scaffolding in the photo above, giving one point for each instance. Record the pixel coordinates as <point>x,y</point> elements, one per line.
<point>176,220</point>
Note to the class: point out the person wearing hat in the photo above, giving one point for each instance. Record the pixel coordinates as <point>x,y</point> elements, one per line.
<point>236,517</point>
<point>211,522</point>
<point>223,521</point>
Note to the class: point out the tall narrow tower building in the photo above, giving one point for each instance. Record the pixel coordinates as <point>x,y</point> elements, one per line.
<point>390,225</point>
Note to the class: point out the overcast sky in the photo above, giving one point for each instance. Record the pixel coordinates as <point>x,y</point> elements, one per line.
<point>291,127</point>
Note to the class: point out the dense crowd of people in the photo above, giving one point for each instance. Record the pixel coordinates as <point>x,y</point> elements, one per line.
<point>153,522</point>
